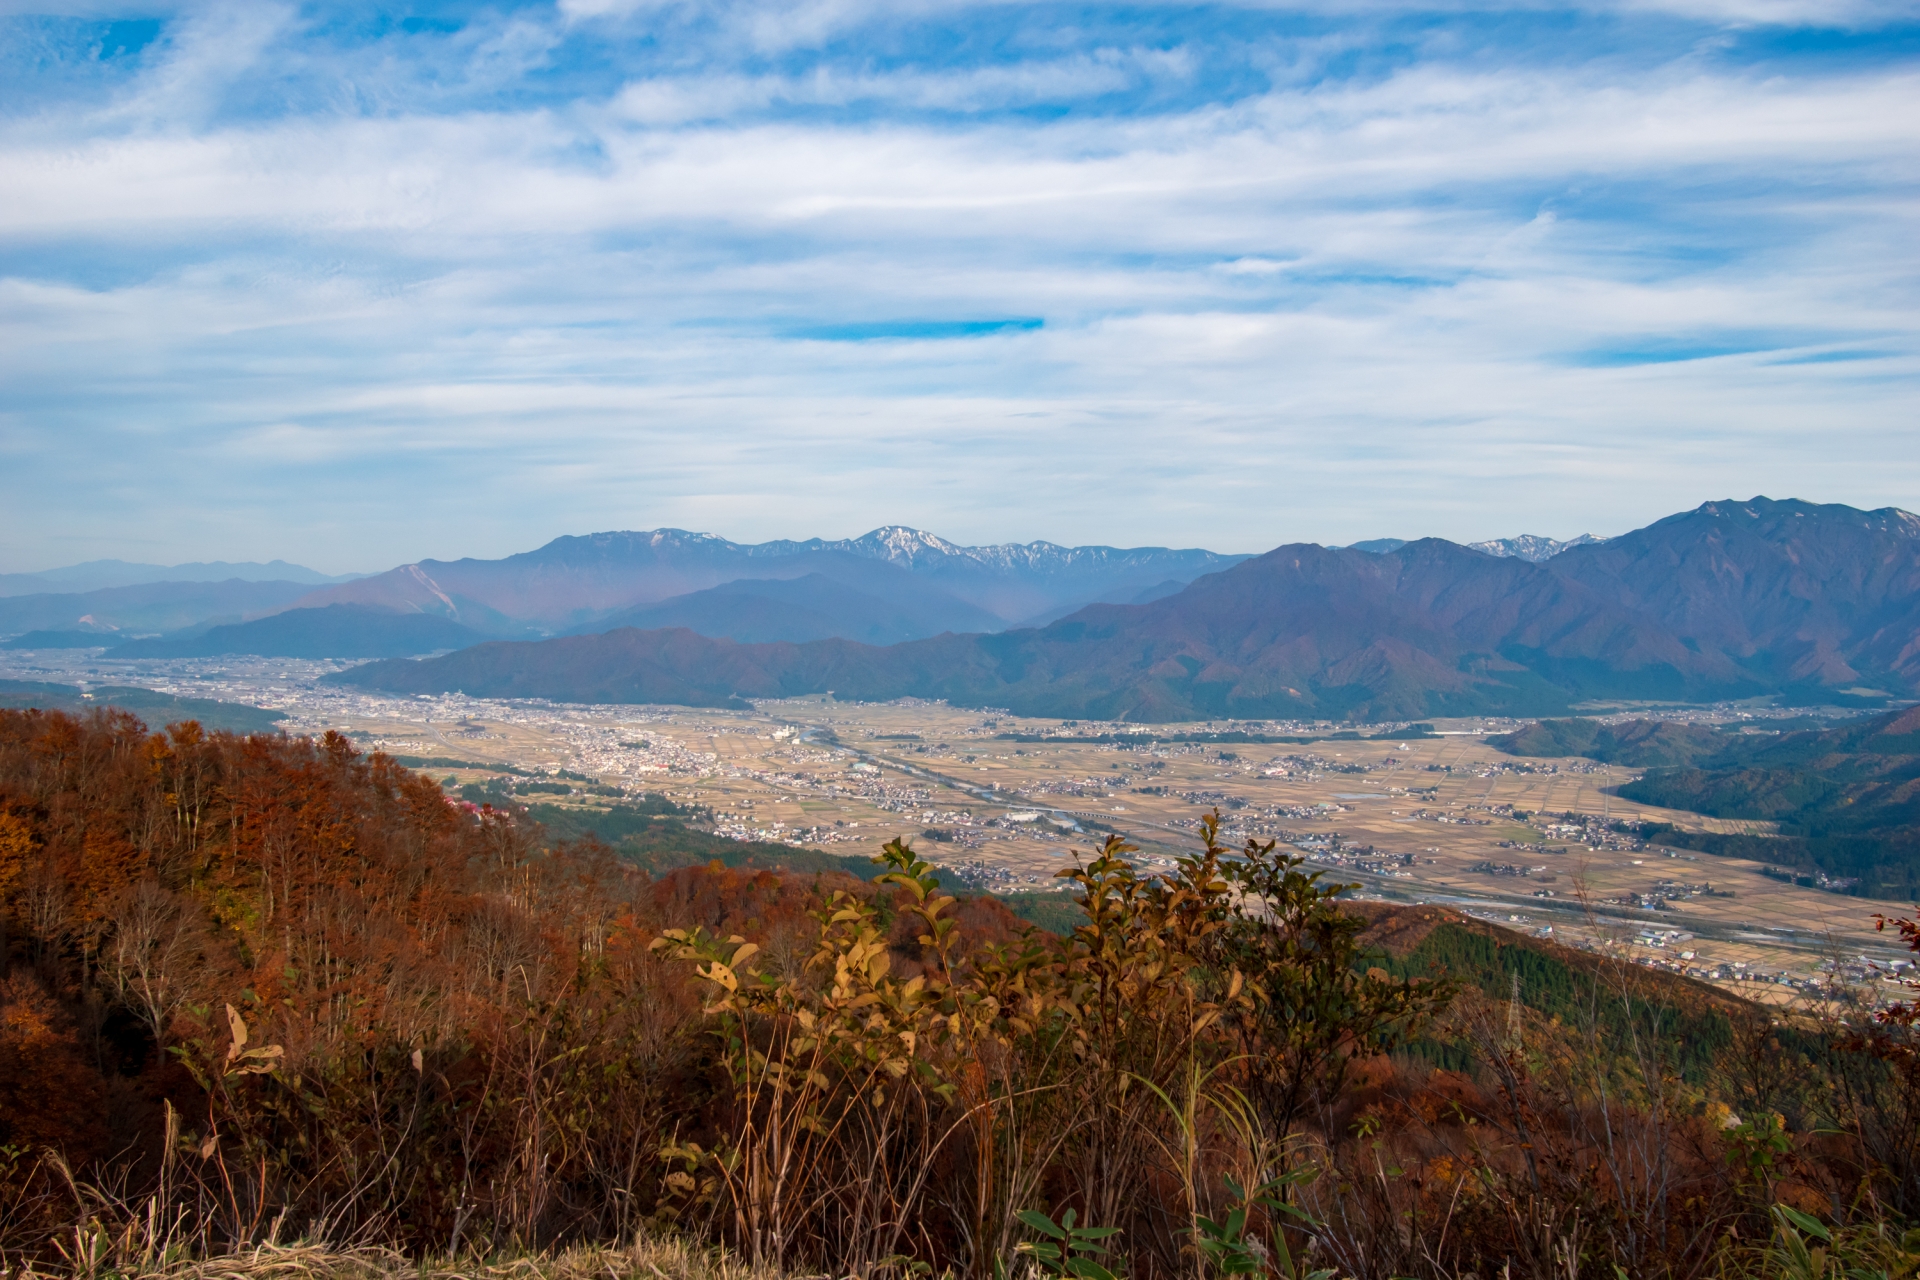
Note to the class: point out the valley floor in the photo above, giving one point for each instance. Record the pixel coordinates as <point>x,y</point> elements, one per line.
<point>1001,802</point>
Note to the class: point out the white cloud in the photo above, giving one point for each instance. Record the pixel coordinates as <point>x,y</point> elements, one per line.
<point>1404,302</point>
<point>204,51</point>
<point>680,99</point>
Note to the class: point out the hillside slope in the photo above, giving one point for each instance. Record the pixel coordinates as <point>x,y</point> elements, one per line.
<point>1565,992</point>
<point>1816,596</point>
<point>152,606</point>
<point>856,600</point>
<point>156,709</point>
<point>1637,743</point>
<point>336,631</point>
<point>1846,800</point>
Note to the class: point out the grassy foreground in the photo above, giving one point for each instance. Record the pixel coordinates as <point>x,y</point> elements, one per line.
<point>647,1258</point>
<point>1796,1251</point>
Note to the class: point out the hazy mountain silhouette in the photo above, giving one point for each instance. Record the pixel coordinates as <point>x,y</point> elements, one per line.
<point>577,582</point>
<point>1528,546</point>
<point>152,606</point>
<point>336,631</point>
<point>95,575</point>
<point>61,640</point>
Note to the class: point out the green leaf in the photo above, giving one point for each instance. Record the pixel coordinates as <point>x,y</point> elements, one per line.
<point>1809,1225</point>
<point>1086,1270</point>
<point>1041,1222</point>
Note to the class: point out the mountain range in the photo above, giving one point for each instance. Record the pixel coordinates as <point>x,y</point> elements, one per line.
<point>334,631</point>
<point>1530,547</point>
<point>96,575</point>
<point>915,584</point>
<point>144,607</point>
<point>891,585</point>
<point>1732,599</point>
<point>1820,603</point>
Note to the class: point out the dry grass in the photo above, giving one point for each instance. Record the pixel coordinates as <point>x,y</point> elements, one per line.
<point>647,1258</point>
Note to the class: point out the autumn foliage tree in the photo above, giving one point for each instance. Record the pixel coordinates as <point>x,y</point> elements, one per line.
<point>271,987</point>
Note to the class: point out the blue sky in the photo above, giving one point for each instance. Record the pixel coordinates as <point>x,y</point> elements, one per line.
<point>355,284</point>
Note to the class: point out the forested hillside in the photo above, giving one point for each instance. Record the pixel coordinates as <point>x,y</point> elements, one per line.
<point>1639,743</point>
<point>653,833</point>
<point>268,987</point>
<point>1846,800</point>
<point>234,717</point>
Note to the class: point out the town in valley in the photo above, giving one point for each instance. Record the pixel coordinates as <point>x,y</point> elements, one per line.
<point>1408,813</point>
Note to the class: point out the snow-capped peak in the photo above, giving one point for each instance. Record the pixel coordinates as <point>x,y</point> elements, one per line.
<point>1531,546</point>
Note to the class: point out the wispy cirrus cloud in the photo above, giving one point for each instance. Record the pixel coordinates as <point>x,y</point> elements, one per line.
<point>354,287</point>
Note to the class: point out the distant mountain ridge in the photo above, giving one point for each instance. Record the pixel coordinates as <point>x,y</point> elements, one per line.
<point>334,631</point>
<point>1816,596</point>
<point>96,575</point>
<point>889,585</point>
<point>1819,602</point>
<point>1724,601</point>
<point>1530,547</point>
<point>573,583</point>
<point>61,640</point>
<point>147,606</point>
